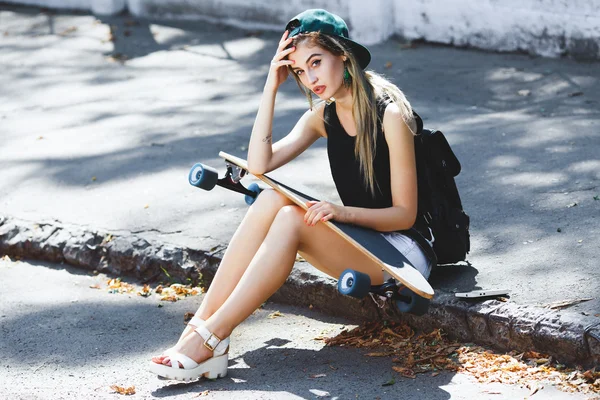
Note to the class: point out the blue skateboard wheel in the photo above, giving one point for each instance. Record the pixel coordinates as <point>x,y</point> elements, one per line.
<point>354,283</point>
<point>253,188</point>
<point>410,302</point>
<point>203,177</point>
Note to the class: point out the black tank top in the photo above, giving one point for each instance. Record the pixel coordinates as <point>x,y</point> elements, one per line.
<point>345,167</point>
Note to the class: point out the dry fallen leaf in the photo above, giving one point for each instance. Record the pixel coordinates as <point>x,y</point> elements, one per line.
<point>275,314</point>
<point>176,292</point>
<point>382,354</point>
<point>107,239</point>
<point>125,391</point>
<point>405,372</point>
<point>95,286</point>
<point>117,286</point>
<point>67,31</point>
<point>534,388</point>
<point>145,292</point>
<point>187,317</point>
<point>557,305</point>
<point>117,57</point>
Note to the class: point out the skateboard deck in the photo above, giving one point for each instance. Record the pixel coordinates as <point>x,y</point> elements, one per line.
<point>368,241</point>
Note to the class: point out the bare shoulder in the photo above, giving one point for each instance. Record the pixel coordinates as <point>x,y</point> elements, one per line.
<point>392,111</point>
<point>393,121</point>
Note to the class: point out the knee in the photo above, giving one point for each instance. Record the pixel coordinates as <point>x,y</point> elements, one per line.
<point>291,217</point>
<point>269,200</point>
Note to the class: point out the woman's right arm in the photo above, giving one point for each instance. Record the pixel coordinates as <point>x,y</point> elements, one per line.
<point>263,156</point>
<point>260,150</point>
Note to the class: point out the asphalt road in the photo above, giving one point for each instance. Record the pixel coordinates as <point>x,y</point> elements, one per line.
<point>62,339</point>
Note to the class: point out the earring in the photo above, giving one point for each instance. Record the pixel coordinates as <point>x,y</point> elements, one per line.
<point>347,77</point>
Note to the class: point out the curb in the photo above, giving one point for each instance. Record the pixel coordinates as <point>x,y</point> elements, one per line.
<point>568,336</point>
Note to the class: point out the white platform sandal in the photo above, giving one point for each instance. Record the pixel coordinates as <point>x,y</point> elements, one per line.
<point>213,368</point>
<point>194,322</point>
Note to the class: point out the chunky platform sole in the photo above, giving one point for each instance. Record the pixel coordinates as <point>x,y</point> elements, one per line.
<point>213,368</point>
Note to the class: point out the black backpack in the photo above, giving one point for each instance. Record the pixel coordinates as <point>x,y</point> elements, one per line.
<point>440,208</point>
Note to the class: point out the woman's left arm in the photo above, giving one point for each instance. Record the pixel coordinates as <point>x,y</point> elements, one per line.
<point>403,176</point>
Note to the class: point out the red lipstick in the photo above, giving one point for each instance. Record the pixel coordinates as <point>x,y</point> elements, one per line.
<point>319,89</point>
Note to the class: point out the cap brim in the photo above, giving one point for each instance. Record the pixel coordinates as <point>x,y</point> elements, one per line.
<point>361,53</point>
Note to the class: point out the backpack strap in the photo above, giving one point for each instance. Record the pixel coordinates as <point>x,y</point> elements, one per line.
<point>419,122</point>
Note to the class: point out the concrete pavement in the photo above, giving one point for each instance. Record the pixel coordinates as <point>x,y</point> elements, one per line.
<point>100,120</point>
<point>61,339</point>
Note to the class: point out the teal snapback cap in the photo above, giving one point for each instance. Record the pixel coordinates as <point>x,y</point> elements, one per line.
<point>318,20</point>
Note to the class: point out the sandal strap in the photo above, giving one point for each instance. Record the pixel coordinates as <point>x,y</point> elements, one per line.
<point>212,341</point>
<point>195,321</point>
<point>185,361</point>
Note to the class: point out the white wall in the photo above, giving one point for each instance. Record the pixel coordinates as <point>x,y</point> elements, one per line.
<point>102,7</point>
<point>544,27</point>
<point>251,14</point>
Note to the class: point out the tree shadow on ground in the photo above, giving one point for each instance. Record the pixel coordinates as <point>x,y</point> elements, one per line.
<point>113,335</point>
<point>525,130</point>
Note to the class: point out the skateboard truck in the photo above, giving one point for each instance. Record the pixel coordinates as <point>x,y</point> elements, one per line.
<point>357,284</point>
<point>234,173</point>
<point>205,177</point>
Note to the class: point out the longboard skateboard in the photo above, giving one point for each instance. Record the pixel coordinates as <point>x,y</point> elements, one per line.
<point>411,292</point>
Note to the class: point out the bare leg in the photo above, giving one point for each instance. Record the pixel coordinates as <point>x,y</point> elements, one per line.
<point>271,266</point>
<point>244,244</point>
<point>242,248</point>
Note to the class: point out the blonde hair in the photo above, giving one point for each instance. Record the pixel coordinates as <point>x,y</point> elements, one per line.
<point>367,88</point>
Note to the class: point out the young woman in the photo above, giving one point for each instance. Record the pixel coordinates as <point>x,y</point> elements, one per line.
<point>369,126</point>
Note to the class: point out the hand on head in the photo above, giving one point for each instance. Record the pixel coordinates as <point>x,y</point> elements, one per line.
<point>278,71</point>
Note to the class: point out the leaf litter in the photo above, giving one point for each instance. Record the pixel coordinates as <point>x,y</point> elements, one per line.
<point>433,352</point>
<point>172,293</point>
